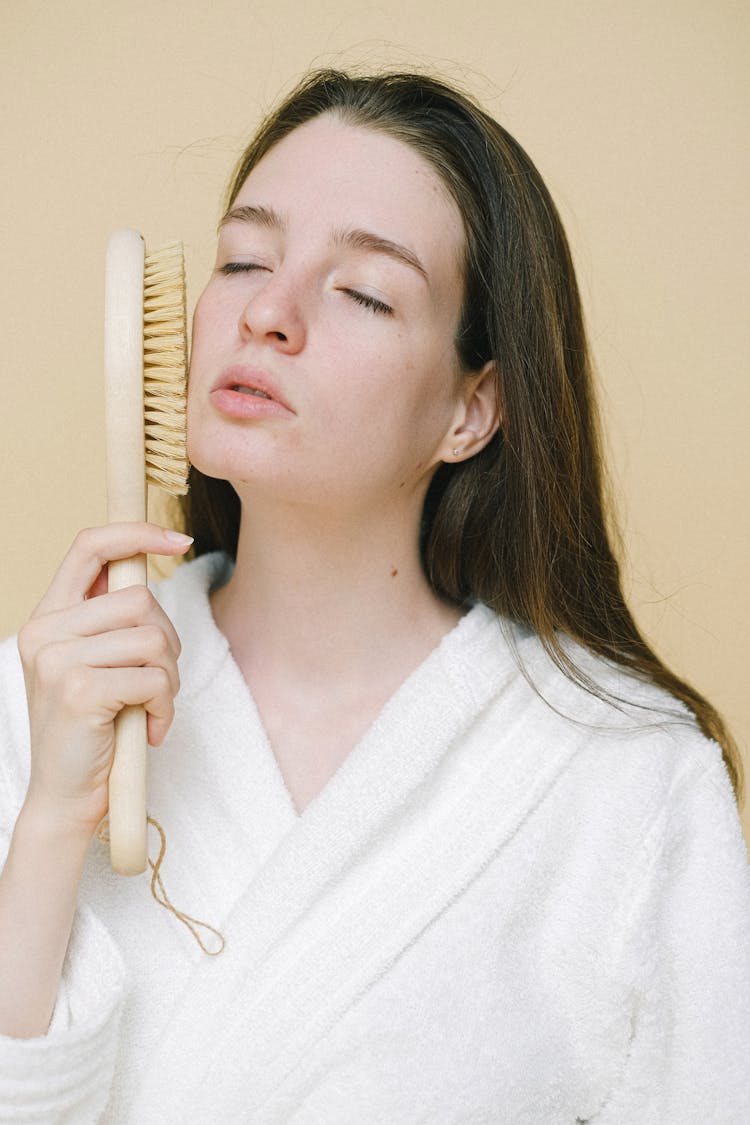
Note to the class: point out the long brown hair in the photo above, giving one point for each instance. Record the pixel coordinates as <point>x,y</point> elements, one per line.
<point>520,526</point>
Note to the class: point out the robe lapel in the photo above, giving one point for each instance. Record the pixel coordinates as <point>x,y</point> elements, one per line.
<point>407,822</point>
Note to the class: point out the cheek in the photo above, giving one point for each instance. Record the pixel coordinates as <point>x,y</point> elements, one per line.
<point>206,334</point>
<point>430,388</point>
<point>204,321</point>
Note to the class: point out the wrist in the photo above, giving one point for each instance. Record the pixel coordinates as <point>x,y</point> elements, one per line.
<point>46,823</point>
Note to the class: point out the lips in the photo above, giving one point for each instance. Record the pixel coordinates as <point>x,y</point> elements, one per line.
<point>244,379</point>
<point>245,392</point>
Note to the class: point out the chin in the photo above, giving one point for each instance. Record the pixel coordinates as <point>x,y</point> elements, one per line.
<point>209,451</point>
<point>223,460</point>
<point>208,461</point>
<point>219,467</point>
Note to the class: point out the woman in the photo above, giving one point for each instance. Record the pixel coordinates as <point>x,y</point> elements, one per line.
<point>472,856</point>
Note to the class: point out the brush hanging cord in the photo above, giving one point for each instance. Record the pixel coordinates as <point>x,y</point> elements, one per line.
<point>192,924</point>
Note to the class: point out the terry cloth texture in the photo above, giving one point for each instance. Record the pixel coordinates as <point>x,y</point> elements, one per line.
<point>510,904</point>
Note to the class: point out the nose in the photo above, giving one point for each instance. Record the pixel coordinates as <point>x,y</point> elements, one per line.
<point>273,315</point>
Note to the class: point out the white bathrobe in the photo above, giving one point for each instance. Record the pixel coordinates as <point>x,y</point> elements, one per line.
<point>501,908</point>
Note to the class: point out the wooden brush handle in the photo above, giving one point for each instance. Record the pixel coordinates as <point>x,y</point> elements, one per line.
<point>126,500</point>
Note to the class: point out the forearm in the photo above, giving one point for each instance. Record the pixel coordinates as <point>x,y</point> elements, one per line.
<point>38,894</point>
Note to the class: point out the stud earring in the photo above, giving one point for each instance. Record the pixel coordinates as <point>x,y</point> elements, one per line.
<point>456,452</point>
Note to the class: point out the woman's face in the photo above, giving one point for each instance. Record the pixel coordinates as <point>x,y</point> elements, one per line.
<point>323,362</point>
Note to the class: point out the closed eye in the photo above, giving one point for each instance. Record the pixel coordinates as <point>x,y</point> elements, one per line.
<point>240,267</point>
<point>369,302</point>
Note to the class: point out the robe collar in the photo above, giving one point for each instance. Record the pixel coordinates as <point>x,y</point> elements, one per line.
<point>429,795</point>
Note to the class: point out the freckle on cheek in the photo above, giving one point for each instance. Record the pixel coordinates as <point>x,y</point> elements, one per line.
<point>394,572</point>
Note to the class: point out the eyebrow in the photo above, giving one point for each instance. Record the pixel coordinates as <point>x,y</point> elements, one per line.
<point>354,239</point>
<point>365,240</point>
<point>260,216</point>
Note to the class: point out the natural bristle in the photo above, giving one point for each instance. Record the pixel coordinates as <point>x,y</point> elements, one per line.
<point>165,368</point>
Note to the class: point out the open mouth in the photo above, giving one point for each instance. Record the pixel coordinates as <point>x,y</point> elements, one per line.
<point>239,384</point>
<point>249,391</point>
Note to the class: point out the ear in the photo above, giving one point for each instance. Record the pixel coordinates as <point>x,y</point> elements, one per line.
<point>477,417</point>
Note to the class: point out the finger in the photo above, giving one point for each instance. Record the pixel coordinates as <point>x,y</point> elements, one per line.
<point>140,647</point>
<point>100,585</point>
<point>102,693</point>
<point>123,609</point>
<point>93,548</point>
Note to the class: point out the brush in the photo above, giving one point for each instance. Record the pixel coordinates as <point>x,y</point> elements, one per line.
<point>145,333</point>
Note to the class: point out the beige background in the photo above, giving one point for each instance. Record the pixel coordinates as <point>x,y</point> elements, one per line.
<point>130,114</point>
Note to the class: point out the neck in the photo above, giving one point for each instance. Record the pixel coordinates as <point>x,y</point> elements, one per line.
<point>315,596</point>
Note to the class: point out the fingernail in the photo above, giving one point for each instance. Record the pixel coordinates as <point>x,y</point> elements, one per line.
<point>179,538</point>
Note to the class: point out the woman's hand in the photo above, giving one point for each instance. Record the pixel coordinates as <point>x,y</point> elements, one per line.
<point>86,654</point>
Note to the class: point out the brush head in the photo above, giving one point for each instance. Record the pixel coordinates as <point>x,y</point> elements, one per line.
<point>165,368</point>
